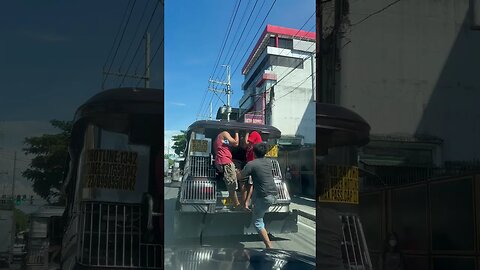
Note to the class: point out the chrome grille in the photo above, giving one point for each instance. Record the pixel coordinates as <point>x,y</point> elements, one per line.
<point>283,195</point>
<point>354,247</point>
<point>37,258</point>
<point>201,167</point>
<point>111,236</point>
<point>276,169</point>
<point>198,191</point>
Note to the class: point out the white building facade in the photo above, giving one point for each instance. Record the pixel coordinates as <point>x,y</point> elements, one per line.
<point>279,84</point>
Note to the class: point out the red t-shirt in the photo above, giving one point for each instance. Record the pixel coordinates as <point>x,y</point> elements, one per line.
<point>253,139</point>
<point>222,152</point>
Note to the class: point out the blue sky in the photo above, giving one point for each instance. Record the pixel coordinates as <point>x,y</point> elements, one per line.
<point>194,31</point>
<point>51,58</point>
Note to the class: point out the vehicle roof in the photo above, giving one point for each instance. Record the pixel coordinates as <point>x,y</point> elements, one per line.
<point>273,132</point>
<point>49,211</point>
<point>123,100</point>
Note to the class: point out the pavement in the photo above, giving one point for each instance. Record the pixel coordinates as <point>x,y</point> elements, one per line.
<point>305,207</point>
<point>303,241</point>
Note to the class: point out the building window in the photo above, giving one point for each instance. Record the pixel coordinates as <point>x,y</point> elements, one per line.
<point>271,42</point>
<point>286,43</point>
<point>276,60</point>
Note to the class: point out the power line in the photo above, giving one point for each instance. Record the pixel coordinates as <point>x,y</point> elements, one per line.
<point>120,42</point>
<point>226,38</point>
<point>254,37</point>
<point>151,60</point>
<point>161,22</point>
<point>116,36</point>
<point>214,68</point>
<point>376,12</point>
<point>140,43</point>
<point>241,35</point>
<point>134,35</point>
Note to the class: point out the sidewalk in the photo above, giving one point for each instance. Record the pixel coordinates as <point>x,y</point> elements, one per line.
<point>305,207</point>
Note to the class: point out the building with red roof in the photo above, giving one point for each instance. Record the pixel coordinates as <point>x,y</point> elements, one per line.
<point>278,87</point>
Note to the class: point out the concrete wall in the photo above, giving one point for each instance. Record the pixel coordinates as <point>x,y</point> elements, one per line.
<point>413,69</point>
<point>293,110</point>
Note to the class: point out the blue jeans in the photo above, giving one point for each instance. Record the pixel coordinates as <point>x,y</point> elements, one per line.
<point>260,207</point>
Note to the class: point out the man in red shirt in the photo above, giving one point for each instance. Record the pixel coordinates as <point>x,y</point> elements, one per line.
<point>224,162</point>
<point>251,139</point>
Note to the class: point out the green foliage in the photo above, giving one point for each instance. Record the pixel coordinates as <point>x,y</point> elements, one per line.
<point>50,153</point>
<point>179,143</point>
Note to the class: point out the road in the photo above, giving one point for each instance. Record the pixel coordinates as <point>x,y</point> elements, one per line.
<point>302,241</point>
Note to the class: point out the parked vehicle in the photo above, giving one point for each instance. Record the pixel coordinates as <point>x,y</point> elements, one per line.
<point>44,238</point>
<point>203,196</point>
<point>115,182</point>
<point>6,233</point>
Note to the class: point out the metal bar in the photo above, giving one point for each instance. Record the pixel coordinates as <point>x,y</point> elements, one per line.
<point>154,256</point>
<point>108,227</point>
<point>139,238</point>
<point>91,230</point>
<point>351,241</point>
<point>131,235</point>
<point>124,220</point>
<point>364,243</point>
<point>358,241</point>
<point>83,209</point>
<point>99,232</point>
<point>146,249</point>
<point>345,241</point>
<point>115,250</point>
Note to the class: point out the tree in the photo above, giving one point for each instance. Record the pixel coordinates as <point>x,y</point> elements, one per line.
<point>50,152</point>
<point>180,142</point>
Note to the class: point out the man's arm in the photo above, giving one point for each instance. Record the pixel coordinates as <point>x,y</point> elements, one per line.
<point>247,171</point>
<point>232,141</point>
<point>246,138</point>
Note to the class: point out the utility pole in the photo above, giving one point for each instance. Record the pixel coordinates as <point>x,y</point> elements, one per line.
<point>227,91</point>
<point>147,60</point>
<point>211,111</point>
<point>319,40</point>
<point>13,176</point>
<point>146,75</point>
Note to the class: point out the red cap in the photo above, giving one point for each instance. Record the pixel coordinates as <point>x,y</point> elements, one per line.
<point>254,138</point>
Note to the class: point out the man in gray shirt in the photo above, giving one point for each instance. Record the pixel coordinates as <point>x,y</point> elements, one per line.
<point>264,189</point>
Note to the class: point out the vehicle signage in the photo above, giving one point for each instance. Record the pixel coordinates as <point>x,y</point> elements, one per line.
<point>272,151</point>
<point>341,185</point>
<point>227,201</point>
<point>111,169</point>
<point>254,118</point>
<point>199,146</point>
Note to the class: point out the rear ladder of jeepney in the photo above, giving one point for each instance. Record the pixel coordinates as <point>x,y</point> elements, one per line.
<point>354,246</point>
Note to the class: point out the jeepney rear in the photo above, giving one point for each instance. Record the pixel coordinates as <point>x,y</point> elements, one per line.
<point>203,196</point>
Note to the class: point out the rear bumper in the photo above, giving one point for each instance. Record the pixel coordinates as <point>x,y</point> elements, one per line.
<point>190,224</point>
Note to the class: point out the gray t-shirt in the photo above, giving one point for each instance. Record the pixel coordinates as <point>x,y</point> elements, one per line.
<point>262,176</point>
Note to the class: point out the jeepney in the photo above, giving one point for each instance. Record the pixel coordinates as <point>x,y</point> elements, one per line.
<point>44,237</point>
<point>203,207</point>
<point>114,184</point>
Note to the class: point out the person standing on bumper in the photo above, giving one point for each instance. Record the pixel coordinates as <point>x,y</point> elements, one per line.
<point>251,139</point>
<point>265,191</point>
<point>224,162</point>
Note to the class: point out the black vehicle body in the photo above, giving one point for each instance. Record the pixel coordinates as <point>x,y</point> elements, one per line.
<point>114,183</point>
<point>240,259</point>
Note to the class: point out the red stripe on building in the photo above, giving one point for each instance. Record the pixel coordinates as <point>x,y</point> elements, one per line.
<point>282,32</point>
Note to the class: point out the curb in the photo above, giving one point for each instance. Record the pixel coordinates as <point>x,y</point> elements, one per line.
<point>306,215</point>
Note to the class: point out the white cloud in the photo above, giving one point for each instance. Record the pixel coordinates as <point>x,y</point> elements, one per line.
<point>178,104</point>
